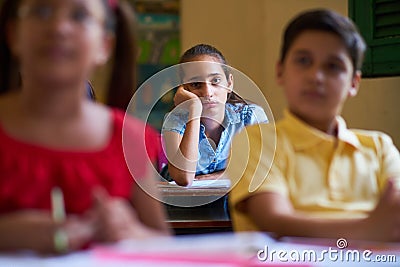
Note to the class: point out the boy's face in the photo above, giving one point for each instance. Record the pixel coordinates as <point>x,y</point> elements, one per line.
<point>317,77</point>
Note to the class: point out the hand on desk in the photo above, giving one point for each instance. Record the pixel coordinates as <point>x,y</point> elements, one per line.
<point>116,219</point>
<point>33,229</point>
<point>383,224</point>
<point>110,219</point>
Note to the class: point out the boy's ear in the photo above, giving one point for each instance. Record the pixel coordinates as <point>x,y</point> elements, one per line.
<point>355,84</point>
<point>279,72</point>
<point>11,37</point>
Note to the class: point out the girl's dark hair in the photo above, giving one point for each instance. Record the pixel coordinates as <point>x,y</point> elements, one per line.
<point>209,50</point>
<point>122,82</point>
<point>9,75</point>
<point>327,21</point>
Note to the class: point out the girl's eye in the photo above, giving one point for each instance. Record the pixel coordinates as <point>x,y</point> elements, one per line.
<point>80,15</point>
<point>44,12</point>
<point>41,11</point>
<point>215,81</point>
<point>195,85</point>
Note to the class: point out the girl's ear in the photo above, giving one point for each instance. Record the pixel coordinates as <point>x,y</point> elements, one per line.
<point>105,49</point>
<point>230,82</point>
<point>355,84</point>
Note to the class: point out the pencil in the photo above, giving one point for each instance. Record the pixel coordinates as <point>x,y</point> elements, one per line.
<point>57,205</point>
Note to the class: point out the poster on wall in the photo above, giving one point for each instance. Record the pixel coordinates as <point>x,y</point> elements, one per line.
<point>159,47</point>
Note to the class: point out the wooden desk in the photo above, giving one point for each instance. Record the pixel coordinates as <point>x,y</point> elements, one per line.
<point>223,224</point>
<point>196,210</point>
<point>174,191</point>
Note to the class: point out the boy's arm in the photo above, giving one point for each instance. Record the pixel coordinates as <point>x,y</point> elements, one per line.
<point>272,212</point>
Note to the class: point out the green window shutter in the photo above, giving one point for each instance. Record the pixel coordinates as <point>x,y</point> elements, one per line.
<point>379,24</point>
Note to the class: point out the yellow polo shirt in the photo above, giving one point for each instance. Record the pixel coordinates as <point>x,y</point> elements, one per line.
<point>321,175</point>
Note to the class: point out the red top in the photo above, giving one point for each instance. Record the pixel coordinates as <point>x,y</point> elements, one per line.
<point>28,172</point>
<point>153,144</point>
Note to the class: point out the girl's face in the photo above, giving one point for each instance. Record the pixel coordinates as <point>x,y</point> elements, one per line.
<point>59,40</point>
<point>317,76</point>
<point>208,81</point>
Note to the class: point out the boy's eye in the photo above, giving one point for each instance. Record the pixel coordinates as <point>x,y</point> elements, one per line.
<point>335,67</point>
<point>303,60</point>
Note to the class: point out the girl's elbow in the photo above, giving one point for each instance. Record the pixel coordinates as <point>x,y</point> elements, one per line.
<point>182,178</point>
<point>184,181</point>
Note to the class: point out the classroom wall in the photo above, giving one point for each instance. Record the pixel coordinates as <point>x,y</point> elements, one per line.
<point>249,32</point>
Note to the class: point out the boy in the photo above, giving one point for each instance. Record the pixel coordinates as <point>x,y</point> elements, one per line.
<point>324,180</point>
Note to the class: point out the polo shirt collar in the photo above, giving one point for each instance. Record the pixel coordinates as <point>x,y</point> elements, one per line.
<point>304,136</point>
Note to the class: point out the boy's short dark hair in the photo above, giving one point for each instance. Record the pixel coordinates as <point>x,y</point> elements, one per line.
<point>327,21</point>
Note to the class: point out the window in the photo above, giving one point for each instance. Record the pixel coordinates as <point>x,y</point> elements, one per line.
<point>379,24</point>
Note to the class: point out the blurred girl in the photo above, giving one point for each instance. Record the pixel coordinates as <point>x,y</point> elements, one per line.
<point>52,135</point>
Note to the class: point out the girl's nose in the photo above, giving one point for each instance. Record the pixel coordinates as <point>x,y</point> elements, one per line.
<point>61,22</point>
<point>208,90</point>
